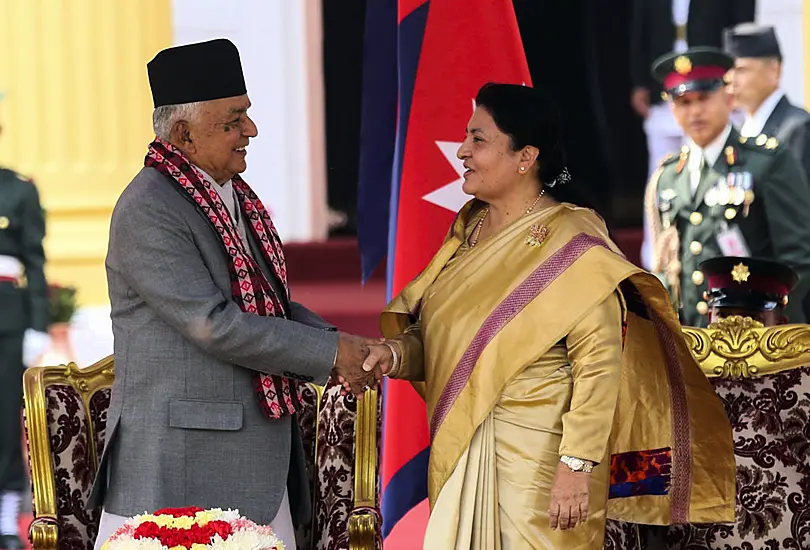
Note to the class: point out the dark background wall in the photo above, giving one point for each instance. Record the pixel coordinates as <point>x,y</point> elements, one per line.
<point>577,49</point>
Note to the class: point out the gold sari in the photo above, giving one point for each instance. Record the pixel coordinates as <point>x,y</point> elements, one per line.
<point>540,341</point>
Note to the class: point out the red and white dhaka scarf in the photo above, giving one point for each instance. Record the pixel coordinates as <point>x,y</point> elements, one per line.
<point>250,289</point>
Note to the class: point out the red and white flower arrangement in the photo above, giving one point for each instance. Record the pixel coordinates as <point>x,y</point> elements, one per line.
<point>192,529</point>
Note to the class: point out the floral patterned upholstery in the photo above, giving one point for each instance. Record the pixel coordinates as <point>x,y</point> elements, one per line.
<point>73,466</point>
<point>333,481</point>
<point>65,415</point>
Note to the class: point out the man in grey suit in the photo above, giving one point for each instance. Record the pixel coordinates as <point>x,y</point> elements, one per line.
<point>209,349</point>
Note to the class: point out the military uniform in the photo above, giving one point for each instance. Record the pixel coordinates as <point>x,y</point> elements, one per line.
<point>24,307</point>
<point>753,201</point>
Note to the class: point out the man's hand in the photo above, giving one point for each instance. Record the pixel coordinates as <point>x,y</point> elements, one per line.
<point>569,498</point>
<point>640,100</point>
<point>352,352</point>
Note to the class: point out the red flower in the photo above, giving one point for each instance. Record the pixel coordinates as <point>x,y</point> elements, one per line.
<point>179,512</point>
<point>196,534</point>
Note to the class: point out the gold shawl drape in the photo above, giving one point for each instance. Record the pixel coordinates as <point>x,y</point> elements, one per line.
<point>525,289</point>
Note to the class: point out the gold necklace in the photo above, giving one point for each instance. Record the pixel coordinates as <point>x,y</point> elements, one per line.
<point>477,230</point>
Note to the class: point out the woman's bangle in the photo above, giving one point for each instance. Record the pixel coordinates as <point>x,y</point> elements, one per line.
<point>395,366</point>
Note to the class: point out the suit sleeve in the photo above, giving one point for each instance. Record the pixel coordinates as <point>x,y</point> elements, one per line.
<point>33,258</point>
<point>595,353</point>
<point>786,198</point>
<point>154,251</point>
<point>300,314</point>
<point>640,62</point>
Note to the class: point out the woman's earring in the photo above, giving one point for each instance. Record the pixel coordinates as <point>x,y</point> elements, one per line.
<point>522,168</point>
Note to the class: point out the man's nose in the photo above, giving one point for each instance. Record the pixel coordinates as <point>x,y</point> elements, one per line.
<point>250,129</point>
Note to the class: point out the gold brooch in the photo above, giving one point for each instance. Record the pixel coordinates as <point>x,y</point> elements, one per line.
<point>740,273</point>
<point>537,234</point>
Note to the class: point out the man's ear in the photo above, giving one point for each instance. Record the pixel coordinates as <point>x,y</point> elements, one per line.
<point>181,136</point>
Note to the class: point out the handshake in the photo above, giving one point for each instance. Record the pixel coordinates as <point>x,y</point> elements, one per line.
<point>362,362</point>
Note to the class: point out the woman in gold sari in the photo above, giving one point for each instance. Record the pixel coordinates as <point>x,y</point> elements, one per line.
<point>559,389</point>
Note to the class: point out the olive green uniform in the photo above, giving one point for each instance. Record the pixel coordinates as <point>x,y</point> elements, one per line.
<point>23,305</point>
<point>756,186</point>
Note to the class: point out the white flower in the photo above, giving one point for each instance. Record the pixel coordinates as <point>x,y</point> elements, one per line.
<point>128,543</point>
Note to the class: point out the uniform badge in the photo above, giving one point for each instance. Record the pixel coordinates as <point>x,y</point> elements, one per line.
<point>731,155</point>
<point>683,65</point>
<point>710,198</point>
<point>723,192</point>
<point>740,273</point>
<point>665,198</point>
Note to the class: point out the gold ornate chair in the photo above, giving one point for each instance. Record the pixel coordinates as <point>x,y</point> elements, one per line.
<point>66,415</point>
<point>65,419</point>
<point>739,347</point>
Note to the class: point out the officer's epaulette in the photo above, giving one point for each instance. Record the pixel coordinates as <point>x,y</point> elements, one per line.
<point>762,142</point>
<point>669,159</point>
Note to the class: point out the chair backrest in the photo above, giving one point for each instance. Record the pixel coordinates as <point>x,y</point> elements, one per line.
<point>65,419</point>
<point>739,347</point>
<point>66,416</point>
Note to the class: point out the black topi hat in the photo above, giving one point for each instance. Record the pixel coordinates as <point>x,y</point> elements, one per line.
<point>196,72</point>
<point>750,40</point>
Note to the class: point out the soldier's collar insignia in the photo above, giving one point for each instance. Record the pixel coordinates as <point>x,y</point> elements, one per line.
<point>683,65</point>
<point>740,273</point>
<point>731,155</point>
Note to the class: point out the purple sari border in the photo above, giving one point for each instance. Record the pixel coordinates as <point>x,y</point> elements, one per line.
<point>513,304</point>
<point>681,490</point>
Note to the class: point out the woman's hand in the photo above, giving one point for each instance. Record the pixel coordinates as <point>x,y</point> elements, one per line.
<point>569,498</point>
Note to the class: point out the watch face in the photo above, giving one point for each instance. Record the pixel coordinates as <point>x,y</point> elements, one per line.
<point>576,464</point>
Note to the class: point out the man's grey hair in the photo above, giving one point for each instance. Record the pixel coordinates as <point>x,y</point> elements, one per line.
<point>164,117</point>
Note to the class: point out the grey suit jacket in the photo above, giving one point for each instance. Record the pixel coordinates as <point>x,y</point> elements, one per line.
<point>184,426</point>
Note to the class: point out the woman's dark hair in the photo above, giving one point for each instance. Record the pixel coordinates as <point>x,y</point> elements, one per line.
<point>529,117</point>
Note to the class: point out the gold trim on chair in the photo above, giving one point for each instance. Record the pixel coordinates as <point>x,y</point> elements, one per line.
<point>739,347</point>
<point>364,520</point>
<point>44,529</point>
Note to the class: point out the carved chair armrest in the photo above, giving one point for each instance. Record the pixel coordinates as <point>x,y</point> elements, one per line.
<point>364,521</point>
<point>44,530</point>
<point>44,533</point>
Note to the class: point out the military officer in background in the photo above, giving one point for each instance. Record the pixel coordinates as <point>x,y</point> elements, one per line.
<point>23,333</point>
<point>724,194</point>
<point>656,28</point>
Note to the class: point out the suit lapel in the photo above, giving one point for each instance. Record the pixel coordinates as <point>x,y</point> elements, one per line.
<point>777,117</point>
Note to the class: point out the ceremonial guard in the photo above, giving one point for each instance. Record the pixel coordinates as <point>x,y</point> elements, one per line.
<point>23,333</point>
<point>768,409</point>
<point>724,194</point>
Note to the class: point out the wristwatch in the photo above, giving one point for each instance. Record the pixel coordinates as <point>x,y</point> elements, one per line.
<point>577,464</point>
